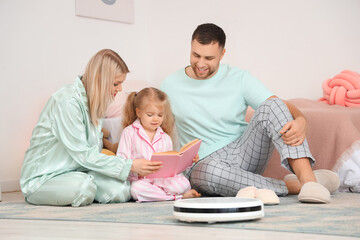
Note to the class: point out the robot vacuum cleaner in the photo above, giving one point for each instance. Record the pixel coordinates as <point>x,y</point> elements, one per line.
<point>218,209</point>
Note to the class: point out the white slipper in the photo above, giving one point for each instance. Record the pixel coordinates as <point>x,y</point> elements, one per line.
<point>327,178</point>
<point>313,192</point>
<point>248,192</point>
<point>267,196</point>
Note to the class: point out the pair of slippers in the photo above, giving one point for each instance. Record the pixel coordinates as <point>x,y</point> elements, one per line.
<point>311,192</point>
<point>317,192</point>
<point>267,196</point>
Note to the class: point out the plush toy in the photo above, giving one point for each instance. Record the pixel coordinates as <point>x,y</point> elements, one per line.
<point>109,148</point>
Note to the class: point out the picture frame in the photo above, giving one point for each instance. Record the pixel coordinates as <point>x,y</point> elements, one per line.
<point>110,10</point>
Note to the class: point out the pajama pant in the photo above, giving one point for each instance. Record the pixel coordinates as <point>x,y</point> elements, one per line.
<point>80,189</point>
<point>159,189</point>
<point>240,163</point>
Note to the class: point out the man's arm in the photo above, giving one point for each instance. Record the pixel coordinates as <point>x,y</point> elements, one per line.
<point>294,132</point>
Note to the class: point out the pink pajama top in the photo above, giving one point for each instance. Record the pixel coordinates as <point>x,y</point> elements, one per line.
<point>135,143</point>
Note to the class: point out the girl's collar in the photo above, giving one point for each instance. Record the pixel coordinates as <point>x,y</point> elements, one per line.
<point>159,131</point>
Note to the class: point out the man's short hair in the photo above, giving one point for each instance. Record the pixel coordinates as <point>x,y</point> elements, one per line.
<point>208,33</point>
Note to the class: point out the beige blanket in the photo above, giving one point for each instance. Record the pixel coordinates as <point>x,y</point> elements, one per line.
<point>332,130</point>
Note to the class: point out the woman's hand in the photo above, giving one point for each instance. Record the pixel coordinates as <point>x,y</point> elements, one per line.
<point>294,132</point>
<point>196,158</point>
<point>144,167</point>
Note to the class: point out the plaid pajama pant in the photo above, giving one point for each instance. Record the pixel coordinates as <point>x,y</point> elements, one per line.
<point>241,163</point>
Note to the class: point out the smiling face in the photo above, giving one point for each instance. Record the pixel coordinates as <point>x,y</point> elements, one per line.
<point>117,87</point>
<point>204,60</point>
<point>151,116</point>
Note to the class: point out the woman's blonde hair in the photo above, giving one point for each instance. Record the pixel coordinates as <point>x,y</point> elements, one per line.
<point>98,81</point>
<point>142,99</point>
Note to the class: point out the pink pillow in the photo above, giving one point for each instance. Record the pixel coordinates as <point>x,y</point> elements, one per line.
<point>115,108</point>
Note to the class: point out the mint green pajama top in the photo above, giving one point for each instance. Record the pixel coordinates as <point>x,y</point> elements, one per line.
<point>65,140</point>
<point>213,109</point>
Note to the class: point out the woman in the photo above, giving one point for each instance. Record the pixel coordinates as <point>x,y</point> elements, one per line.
<point>63,165</point>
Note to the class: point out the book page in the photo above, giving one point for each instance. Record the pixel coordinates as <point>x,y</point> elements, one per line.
<point>166,153</point>
<point>188,145</point>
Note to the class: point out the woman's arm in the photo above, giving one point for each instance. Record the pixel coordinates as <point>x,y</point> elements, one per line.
<point>71,126</point>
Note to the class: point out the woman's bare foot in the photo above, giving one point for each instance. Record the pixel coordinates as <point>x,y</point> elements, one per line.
<point>192,193</point>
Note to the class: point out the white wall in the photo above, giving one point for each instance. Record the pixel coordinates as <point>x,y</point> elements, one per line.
<point>292,46</point>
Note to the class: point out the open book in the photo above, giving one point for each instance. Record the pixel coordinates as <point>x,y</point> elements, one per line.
<point>174,162</point>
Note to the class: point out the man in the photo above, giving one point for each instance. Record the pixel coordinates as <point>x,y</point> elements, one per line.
<point>209,101</point>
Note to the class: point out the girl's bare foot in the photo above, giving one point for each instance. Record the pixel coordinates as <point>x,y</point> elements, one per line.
<point>192,193</point>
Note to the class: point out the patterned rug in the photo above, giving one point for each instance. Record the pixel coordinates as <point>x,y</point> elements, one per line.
<point>340,217</point>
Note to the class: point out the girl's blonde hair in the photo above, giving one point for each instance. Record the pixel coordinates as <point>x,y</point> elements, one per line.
<point>142,99</point>
<point>98,81</point>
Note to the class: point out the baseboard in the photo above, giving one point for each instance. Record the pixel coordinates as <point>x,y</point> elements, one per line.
<point>10,186</point>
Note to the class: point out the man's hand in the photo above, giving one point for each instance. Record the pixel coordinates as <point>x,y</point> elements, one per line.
<point>144,167</point>
<point>294,132</point>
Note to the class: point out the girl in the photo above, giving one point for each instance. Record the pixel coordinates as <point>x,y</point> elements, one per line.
<point>148,124</point>
<point>63,165</point>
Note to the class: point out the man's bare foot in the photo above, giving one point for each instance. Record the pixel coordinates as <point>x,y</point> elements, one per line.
<point>293,186</point>
<point>192,193</point>
<point>302,170</point>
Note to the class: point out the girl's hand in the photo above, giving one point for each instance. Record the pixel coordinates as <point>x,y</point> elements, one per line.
<point>144,167</point>
<point>196,158</point>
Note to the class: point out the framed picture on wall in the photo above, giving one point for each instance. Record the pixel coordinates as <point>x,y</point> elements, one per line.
<point>111,10</point>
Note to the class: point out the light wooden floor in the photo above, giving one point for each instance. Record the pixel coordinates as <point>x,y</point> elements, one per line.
<point>40,229</point>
